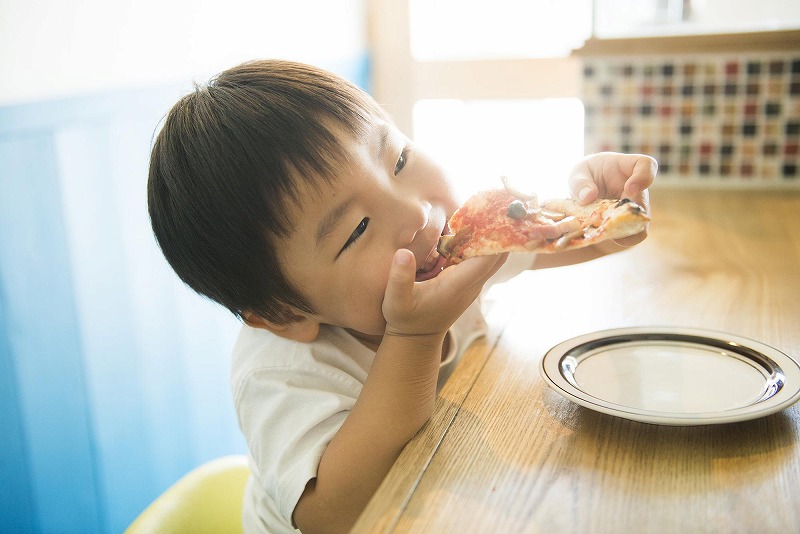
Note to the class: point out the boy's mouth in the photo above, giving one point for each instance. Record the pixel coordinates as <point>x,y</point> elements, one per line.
<point>433,265</point>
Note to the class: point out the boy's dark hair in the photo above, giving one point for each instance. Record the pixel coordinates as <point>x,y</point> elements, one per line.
<point>225,170</point>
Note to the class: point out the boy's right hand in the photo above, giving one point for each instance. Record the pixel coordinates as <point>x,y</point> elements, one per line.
<point>423,308</point>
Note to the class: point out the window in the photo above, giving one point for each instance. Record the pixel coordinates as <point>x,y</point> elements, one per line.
<point>533,142</point>
<point>487,87</point>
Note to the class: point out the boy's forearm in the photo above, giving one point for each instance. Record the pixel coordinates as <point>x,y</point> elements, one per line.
<point>397,399</point>
<point>401,387</point>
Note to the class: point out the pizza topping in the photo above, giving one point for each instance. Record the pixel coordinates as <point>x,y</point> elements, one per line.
<point>569,224</point>
<point>517,210</point>
<point>526,197</point>
<point>549,230</point>
<point>633,205</point>
<point>565,239</point>
<point>554,215</point>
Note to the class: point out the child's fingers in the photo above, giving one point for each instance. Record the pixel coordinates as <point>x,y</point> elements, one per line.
<point>400,287</point>
<point>612,175</point>
<point>583,189</point>
<point>641,177</point>
<point>581,185</point>
<point>432,306</point>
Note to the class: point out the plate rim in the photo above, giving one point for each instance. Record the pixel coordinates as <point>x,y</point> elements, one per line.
<point>788,395</point>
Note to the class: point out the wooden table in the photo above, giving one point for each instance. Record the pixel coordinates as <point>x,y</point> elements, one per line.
<point>504,453</point>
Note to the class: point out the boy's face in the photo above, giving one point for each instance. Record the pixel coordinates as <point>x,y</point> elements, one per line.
<point>387,195</point>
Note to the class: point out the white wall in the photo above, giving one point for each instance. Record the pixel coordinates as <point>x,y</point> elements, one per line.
<point>55,48</point>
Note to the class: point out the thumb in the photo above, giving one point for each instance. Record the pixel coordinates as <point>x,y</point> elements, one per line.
<point>584,189</point>
<point>399,290</point>
<point>581,184</point>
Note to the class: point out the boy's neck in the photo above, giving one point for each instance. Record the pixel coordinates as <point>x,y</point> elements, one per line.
<point>372,342</point>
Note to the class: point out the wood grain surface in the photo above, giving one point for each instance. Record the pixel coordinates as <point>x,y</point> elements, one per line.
<point>504,453</point>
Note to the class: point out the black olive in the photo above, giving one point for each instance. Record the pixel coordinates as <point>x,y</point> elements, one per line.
<point>517,210</point>
<point>634,206</point>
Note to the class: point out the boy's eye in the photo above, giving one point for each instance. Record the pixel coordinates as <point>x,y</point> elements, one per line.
<point>356,234</point>
<point>401,162</point>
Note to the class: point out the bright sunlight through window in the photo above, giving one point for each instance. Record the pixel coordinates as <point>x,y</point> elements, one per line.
<point>533,142</point>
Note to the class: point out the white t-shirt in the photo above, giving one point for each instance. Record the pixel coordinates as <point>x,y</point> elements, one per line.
<point>291,398</point>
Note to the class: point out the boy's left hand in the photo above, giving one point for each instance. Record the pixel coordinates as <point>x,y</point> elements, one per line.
<point>614,175</point>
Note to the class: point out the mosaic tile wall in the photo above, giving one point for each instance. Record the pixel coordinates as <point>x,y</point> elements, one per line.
<point>708,119</point>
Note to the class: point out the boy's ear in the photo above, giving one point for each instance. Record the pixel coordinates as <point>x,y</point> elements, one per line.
<point>300,328</point>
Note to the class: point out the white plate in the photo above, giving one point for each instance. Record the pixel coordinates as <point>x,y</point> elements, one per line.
<point>673,376</point>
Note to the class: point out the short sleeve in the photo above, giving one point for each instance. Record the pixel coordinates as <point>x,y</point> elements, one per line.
<point>288,416</point>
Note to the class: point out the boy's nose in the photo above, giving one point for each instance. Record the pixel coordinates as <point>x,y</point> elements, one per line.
<point>414,219</point>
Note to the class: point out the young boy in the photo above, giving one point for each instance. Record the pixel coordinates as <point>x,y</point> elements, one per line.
<point>287,195</point>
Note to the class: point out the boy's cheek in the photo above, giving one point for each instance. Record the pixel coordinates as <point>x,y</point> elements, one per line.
<point>362,300</point>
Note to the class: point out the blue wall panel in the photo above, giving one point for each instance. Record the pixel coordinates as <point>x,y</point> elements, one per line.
<point>18,512</point>
<point>40,331</point>
<point>113,375</point>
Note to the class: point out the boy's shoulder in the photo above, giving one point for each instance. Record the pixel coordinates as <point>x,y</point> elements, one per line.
<point>334,353</point>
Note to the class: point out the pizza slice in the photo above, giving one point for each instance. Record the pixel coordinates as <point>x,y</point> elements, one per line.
<point>506,220</point>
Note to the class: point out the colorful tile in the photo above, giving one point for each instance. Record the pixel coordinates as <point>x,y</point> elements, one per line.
<point>732,120</point>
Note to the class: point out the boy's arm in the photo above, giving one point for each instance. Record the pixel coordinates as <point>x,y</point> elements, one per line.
<point>399,394</point>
